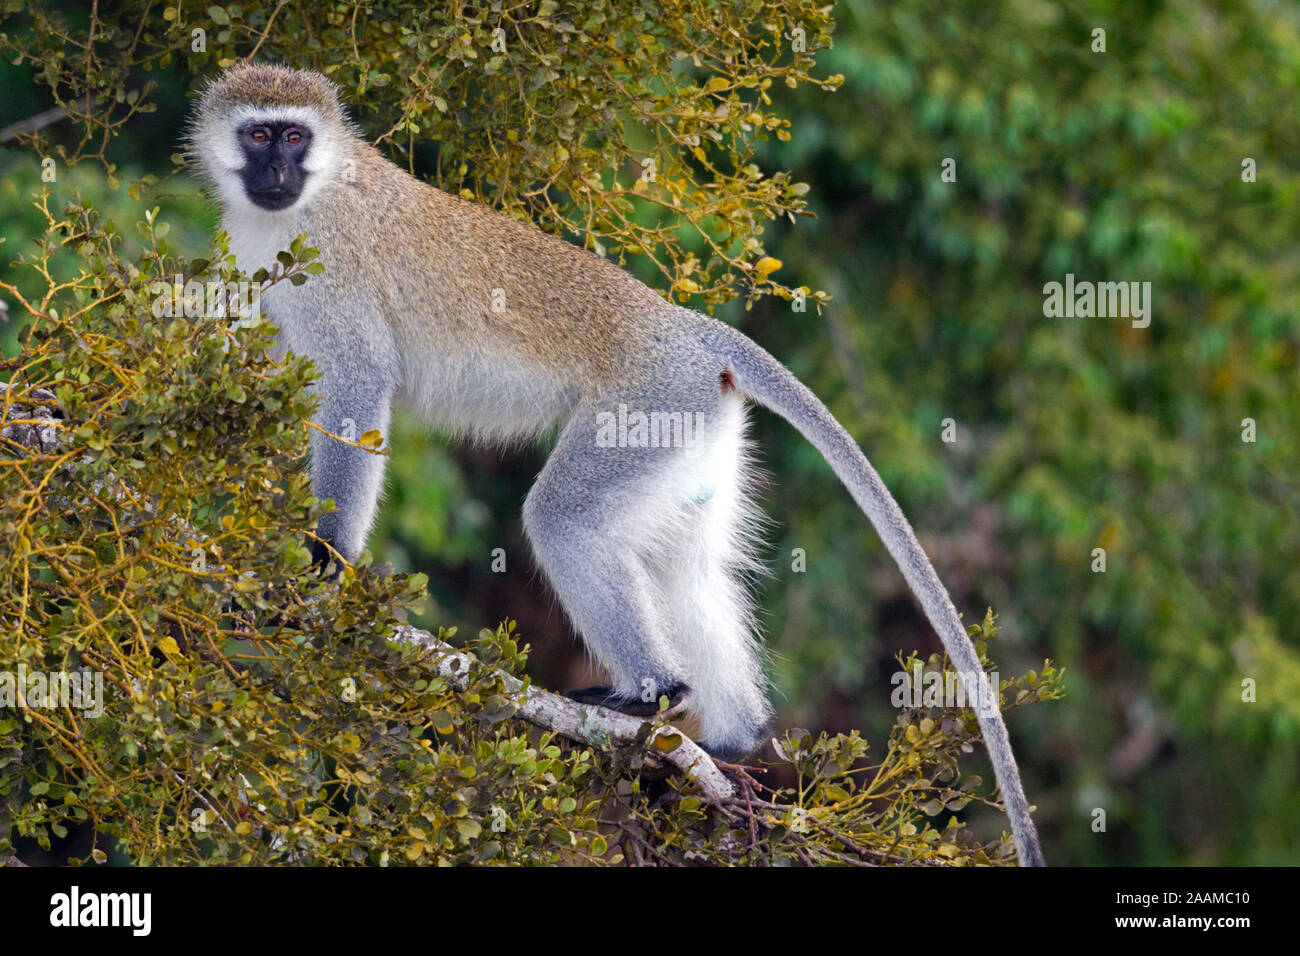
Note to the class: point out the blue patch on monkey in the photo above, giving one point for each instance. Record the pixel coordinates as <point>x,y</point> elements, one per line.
<point>702,493</point>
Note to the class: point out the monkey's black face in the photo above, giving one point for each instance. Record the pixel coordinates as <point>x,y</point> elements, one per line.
<point>273,174</point>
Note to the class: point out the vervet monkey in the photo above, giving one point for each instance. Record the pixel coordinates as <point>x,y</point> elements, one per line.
<point>642,517</point>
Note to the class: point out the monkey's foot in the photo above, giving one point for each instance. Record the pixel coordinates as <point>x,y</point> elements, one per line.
<point>604,696</point>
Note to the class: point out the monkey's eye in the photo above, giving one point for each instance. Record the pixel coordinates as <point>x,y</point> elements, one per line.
<point>259,134</point>
<point>293,137</point>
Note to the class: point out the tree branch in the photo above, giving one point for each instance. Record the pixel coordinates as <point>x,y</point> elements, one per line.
<point>585,723</point>
<point>33,123</point>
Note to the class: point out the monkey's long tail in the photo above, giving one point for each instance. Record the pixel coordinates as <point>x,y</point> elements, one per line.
<point>765,380</point>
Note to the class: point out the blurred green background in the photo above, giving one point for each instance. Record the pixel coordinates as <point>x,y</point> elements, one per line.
<point>1072,433</point>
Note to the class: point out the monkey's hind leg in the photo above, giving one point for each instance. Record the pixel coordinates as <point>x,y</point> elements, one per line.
<point>591,516</point>
<point>706,576</point>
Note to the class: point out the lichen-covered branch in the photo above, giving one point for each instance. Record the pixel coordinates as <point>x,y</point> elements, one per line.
<point>585,723</point>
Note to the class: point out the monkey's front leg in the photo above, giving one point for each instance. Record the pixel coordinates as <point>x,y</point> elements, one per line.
<point>351,405</point>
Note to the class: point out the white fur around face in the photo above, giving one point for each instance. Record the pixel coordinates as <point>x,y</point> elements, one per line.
<point>216,144</point>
